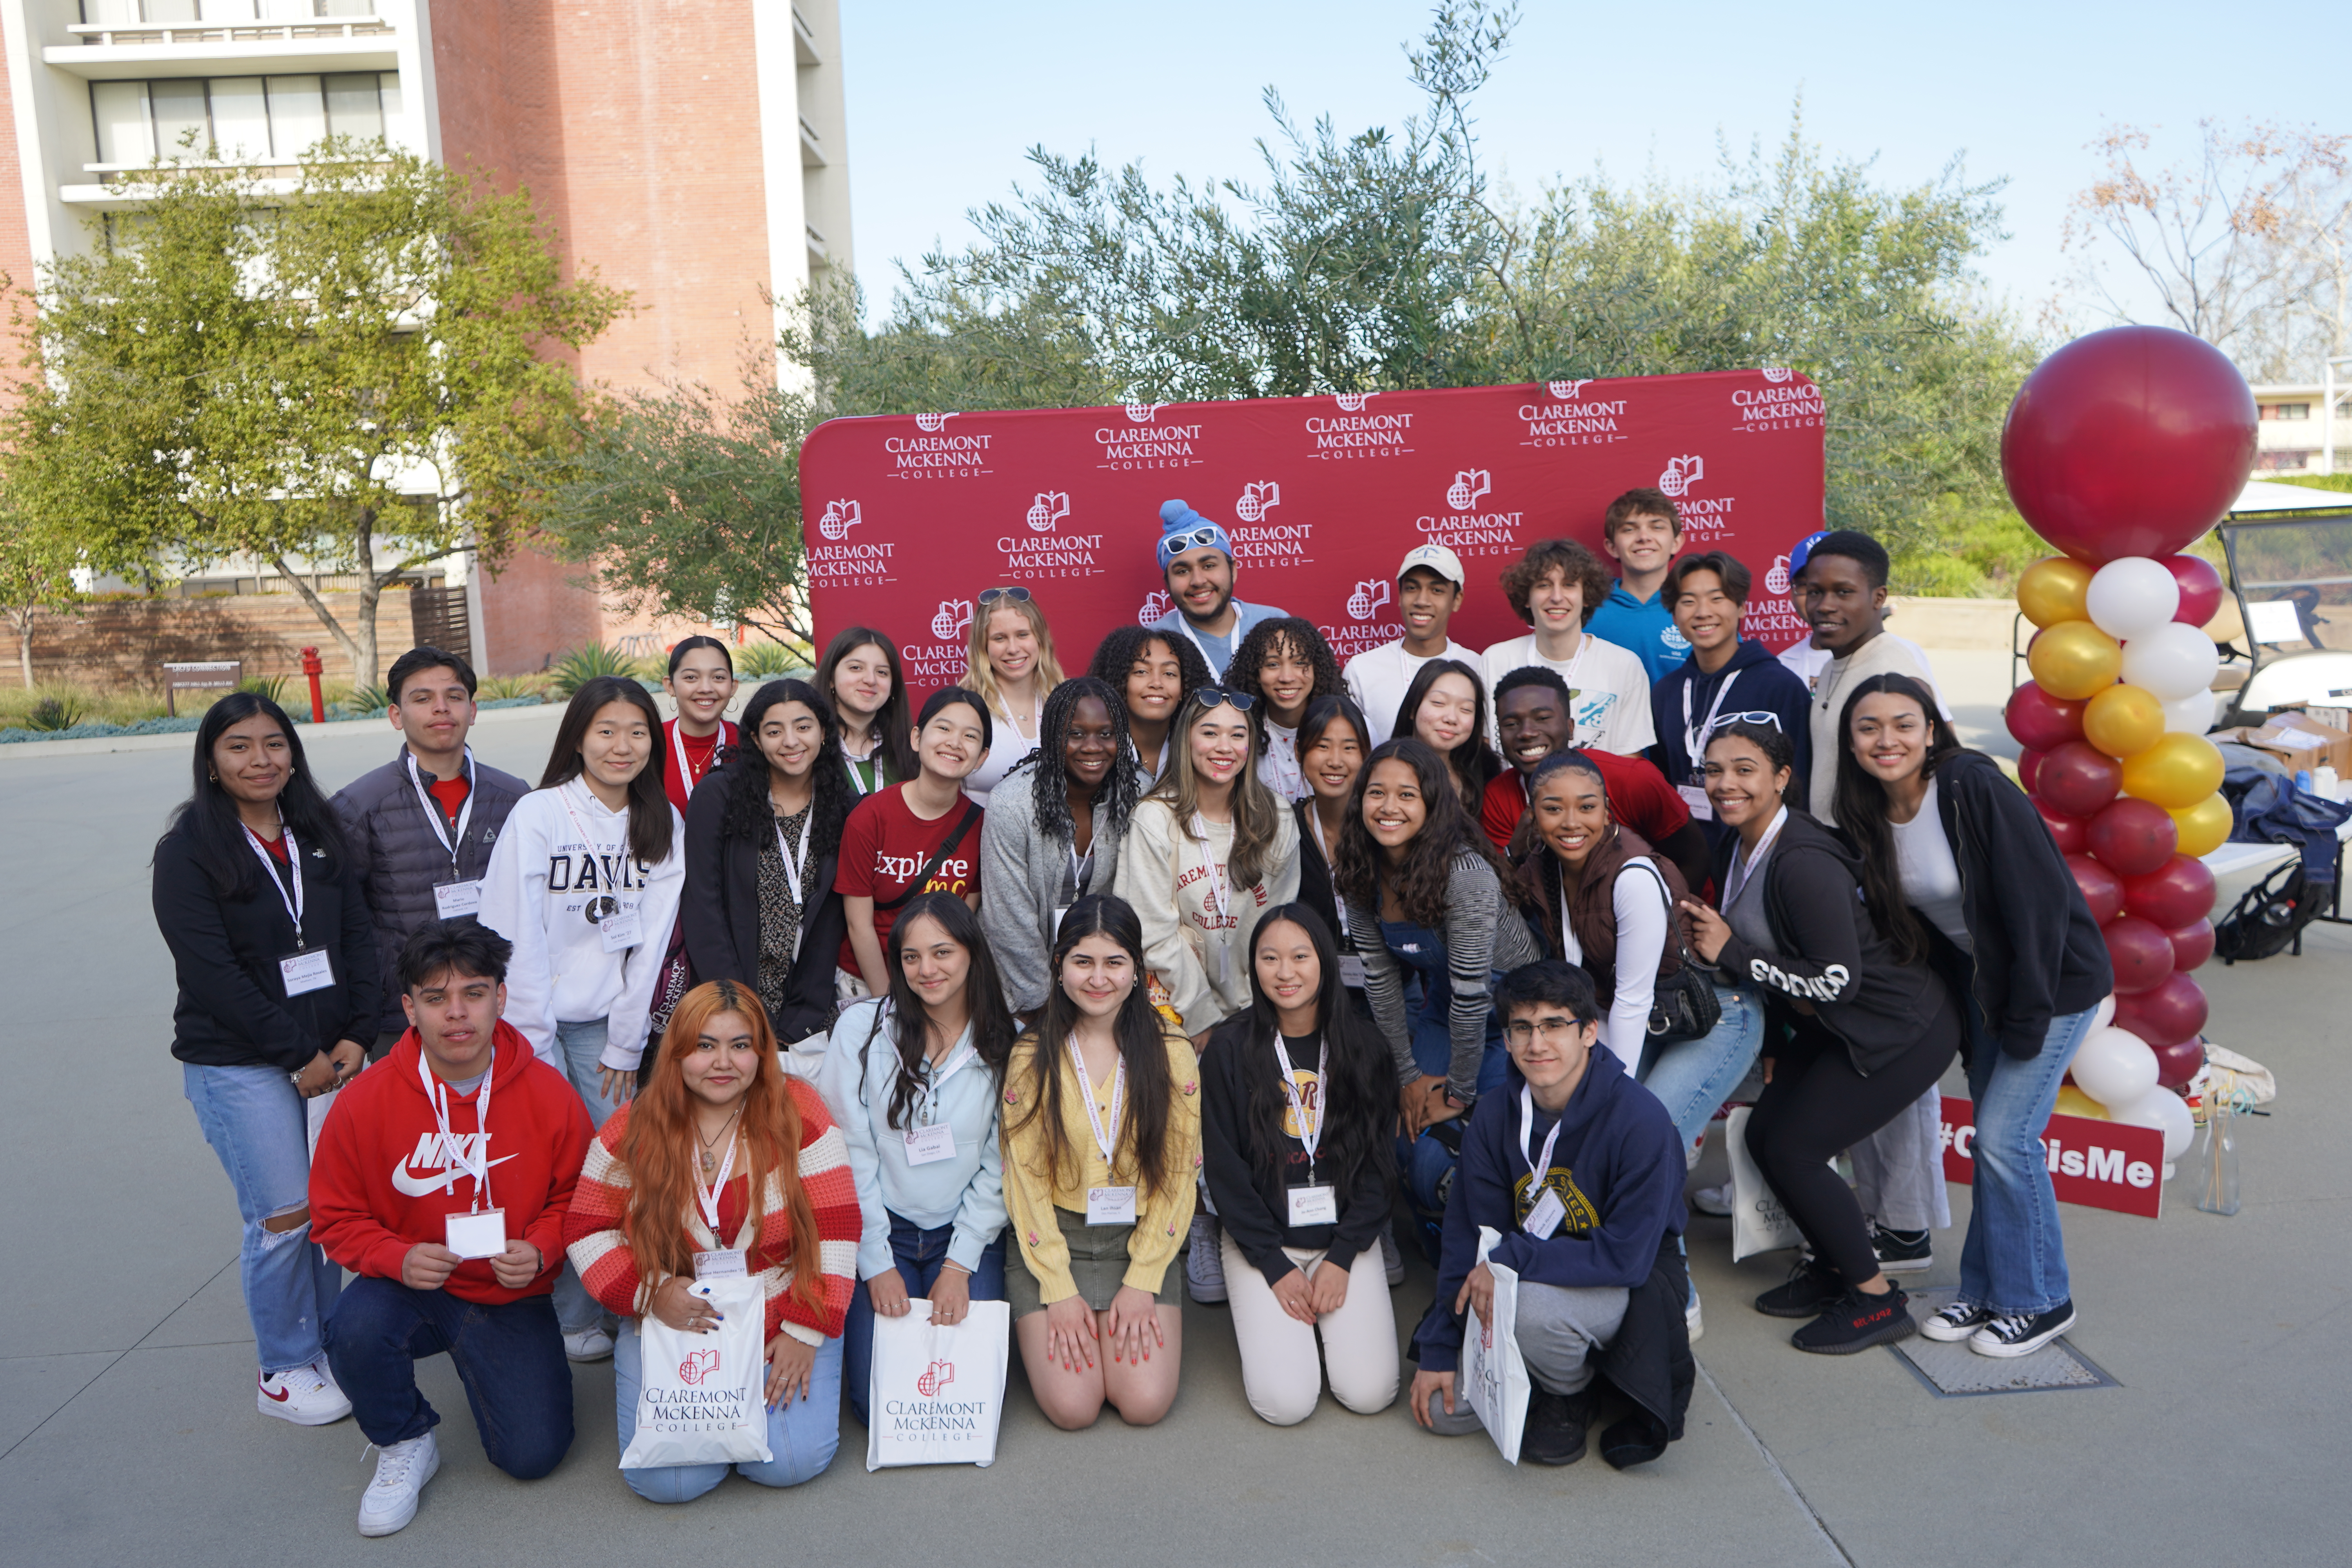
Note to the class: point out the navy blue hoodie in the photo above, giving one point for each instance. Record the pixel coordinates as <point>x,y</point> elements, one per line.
<point>1618,1168</point>
<point>1760,683</point>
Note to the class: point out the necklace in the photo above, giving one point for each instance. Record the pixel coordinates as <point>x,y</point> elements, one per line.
<point>710,1145</point>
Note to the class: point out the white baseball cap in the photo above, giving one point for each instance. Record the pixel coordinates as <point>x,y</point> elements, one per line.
<point>1438,559</point>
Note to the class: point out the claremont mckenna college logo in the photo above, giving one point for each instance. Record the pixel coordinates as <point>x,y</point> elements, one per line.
<point>1046,551</point>
<point>1156,604</point>
<point>839,518</point>
<point>934,1377</point>
<point>1260,542</point>
<point>697,1367</point>
<point>1681,474</point>
<point>1142,442</point>
<point>838,563</point>
<point>954,618</point>
<point>1356,432</point>
<point>932,454</point>
<point>1570,419</point>
<point>1467,528</point>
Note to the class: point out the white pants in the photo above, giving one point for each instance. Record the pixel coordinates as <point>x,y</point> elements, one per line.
<point>1280,1371</point>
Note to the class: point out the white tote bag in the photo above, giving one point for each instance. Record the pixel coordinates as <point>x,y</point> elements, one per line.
<point>702,1399</point>
<point>938,1392</point>
<point>1758,1221</point>
<point>1494,1373</point>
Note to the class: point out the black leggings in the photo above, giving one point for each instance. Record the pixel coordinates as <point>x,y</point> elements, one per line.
<point>1816,1106</point>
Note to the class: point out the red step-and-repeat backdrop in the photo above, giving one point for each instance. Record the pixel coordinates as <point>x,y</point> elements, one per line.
<point>911,517</point>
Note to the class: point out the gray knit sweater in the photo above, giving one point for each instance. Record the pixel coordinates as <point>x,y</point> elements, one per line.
<point>1021,867</point>
<point>1482,936</point>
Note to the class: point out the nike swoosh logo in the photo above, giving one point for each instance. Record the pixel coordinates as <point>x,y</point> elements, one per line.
<point>281,1396</point>
<point>416,1186</point>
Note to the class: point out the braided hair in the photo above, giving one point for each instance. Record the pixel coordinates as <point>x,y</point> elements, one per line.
<point>1049,780</point>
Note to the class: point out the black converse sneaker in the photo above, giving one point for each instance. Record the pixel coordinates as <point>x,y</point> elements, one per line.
<point>1902,1251</point>
<point>1956,1322</point>
<point>1856,1321</point>
<point>1812,1285</point>
<point>1556,1427</point>
<point>2021,1334</point>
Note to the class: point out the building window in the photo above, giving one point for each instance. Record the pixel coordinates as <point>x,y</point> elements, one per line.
<point>2282,462</point>
<point>237,118</point>
<point>2286,410</point>
<point>163,13</point>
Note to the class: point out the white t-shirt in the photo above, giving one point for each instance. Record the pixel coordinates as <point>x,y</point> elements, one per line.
<point>1638,901</point>
<point>1806,662</point>
<point>1006,746</point>
<point>1378,678</point>
<point>1608,688</point>
<point>1931,877</point>
<point>1278,768</point>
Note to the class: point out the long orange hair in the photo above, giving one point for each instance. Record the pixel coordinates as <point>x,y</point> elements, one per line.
<point>661,1149</point>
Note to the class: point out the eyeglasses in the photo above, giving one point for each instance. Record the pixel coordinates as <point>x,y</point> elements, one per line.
<point>1759,718</point>
<point>1177,542</point>
<point>990,595</point>
<point>1213,696</point>
<point>1518,1031</point>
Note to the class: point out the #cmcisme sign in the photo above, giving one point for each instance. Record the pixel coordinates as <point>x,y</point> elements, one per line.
<point>2098,1165</point>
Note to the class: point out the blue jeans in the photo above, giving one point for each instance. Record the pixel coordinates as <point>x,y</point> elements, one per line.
<point>1691,1077</point>
<point>1426,1163</point>
<point>802,1437</point>
<point>2014,1259</point>
<point>582,1045</point>
<point>260,1129</point>
<point>918,1254</point>
<point>509,1357</point>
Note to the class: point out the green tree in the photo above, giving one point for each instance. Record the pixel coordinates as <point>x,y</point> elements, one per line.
<point>36,567</point>
<point>366,371</point>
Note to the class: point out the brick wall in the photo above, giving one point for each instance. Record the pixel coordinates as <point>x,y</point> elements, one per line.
<point>121,642</point>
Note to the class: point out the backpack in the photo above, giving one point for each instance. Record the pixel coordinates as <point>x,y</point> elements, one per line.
<point>2268,918</point>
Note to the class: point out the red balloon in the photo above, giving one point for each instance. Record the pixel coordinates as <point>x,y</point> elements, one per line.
<point>2069,833</point>
<point>2102,889</point>
<point>2175,1064</point>
<point>2191,945</point>
<point>2143,958</point>
<point>2201,588</point>
<point>2173,895</point>
<point>2170,1011</point>
<point>2078,779</point>
<point>2029,768</point>
<point>2132,838</point>
<point>2130,441</point>
<point>2041,721</point>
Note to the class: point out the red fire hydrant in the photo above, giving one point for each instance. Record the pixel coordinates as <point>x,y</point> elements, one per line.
<point>312,668</point>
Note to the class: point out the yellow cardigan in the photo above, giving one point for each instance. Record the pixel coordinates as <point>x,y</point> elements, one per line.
<point>1162,1220</point>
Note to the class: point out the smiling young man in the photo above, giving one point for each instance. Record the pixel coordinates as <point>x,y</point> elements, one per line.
<point>1842,593</point>
<point>1641,530</point>
<point>1555,588</point>
<point>1429,589</point>
<point>422,825</point>
<point>1725,677</point>
<point>1196,562</point>
<point>442,1179</point>
<point>1578,1170</point>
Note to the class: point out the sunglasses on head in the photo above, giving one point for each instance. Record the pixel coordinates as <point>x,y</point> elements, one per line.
<point>1214,696</point>
<point>1178,542</point>
<point>1722,719</point>
<point>990,595</point>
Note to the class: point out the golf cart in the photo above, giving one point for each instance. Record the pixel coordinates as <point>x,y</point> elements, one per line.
<point>2290,555</point>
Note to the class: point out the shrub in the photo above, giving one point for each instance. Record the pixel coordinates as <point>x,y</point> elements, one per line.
<point>584,664</point>
<point>54,713</point>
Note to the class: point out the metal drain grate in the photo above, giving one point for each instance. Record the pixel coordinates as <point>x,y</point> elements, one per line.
<point>1954,1371</point>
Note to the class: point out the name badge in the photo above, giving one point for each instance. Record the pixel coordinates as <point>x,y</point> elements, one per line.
<point>1314,1206</point>
<point>728,1263</point>
<point>1352,970</point>
<point>307,971</point>
<point>482,1233</point>
<point>1111,1206</point>
<point>926,1144</point>
<point>1696,799</point>
<point>1545,1218</point>
<point>451,899</point>
<point>622,929</point>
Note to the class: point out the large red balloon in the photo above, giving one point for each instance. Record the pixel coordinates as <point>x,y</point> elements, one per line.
<point>2102,889</point>
<point>2078,778</point>
<point>2173,895</point>
<point>2132,838</point>
<point>2170,1011</point>
<point>2201,588</point>
<point>2191,945</point>
<point>2069,832</point>
<point>2131,441</point>
<point>2175,1064</point>
<point>2029,769</point>
<point>2039,720</point>
<point>2143,958</point>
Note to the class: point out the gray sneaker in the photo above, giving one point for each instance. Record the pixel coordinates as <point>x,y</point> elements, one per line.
<point>1204,1262</point>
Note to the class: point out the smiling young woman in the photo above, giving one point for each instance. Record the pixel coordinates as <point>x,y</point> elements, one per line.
<point>1012,665</point>
<point>701,681</point>
<point>1285,664</point>
<point>921,837</point>
<point>1153,672</point>
<point>1445,710</point>
<point>860,676</point>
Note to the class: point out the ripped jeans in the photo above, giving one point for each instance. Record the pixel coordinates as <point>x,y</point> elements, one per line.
<point>258,1127</point>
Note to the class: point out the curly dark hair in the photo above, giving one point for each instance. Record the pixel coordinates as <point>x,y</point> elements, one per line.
<point>1546,556</point>
<point>1447,832</point>
<point>745,771</point>
<point>1258,645</point>
<point>1049,788</point>
<point>1473,763</point>
<point>1119,650</point>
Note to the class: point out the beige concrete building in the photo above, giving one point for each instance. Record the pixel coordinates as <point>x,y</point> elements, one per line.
<point>2295,435</point>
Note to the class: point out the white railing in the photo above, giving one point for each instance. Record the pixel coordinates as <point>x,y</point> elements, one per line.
<point>111,34</point>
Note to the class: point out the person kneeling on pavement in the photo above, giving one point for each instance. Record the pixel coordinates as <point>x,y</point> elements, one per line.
<point>441,1179</point>
<point>1578,1170</point>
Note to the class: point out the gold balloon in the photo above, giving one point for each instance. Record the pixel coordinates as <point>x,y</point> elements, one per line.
<point>2074,659</point>
<point>2205,826</point>
<point>2055,590</point>
<point>2123,720</point>
<point>2073,1101</point>
<point>2177,773</point>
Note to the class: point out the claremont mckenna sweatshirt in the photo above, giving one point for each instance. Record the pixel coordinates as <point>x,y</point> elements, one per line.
<point>560,870</point>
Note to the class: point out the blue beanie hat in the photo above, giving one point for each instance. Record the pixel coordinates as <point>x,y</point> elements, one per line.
<point>1183,529</point>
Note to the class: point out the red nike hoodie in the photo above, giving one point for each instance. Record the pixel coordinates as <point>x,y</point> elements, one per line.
<point>377,1180</point>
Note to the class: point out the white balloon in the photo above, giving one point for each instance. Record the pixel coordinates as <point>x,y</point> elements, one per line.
<point>2165,1112</point>
<point>2171,660</point>
<point>2132,597</point>
<point>2103,1013</point>
<point>2191,715</point>
<point>2115,1067</point>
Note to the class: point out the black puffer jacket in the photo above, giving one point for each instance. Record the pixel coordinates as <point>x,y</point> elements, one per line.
<point>400,858</point>
<point>720,912</point>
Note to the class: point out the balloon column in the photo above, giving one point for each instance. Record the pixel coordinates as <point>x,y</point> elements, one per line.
<point>2121,449</point>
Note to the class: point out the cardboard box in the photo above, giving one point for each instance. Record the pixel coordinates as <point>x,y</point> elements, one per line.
<point>2296,739</point>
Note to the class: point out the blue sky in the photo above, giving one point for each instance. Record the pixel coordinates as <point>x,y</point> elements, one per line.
<point>945,99</point>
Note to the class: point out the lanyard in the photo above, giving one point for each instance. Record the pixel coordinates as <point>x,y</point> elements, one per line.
<point>1742,869</point>
<point>433,807</point>
<point>873,757</point>
<point>1323,848</point>
<point>1311,1133</point>
<point>1289,779</point>
<point>1081,867</point>
<point>1186,627</point>
<point>709,1197</point>
<point>1221,893</point>
<point>677,743</point>
<point>935,1078</point>
<point>1695,738</point>
<point>1526,1125</point>
<point>1105,1141</point>
<point>478,1167</point>
<point>293,871</point>
<point>563,795</point>
<point>792,864</point>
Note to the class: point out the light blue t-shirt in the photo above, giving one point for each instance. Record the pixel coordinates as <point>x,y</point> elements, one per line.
<point>1642,627</point>
<point>1219,650</point>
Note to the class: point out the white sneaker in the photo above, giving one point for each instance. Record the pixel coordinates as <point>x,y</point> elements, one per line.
<point>401,1472</point>
<point>1204,1262</point>
<point>1691,1316</point>
<point>1715,1200</point>
<point>1391,1256</point>
<point>1691,1154</point>
<point>590,1343</point>
<point>307,1395</point>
